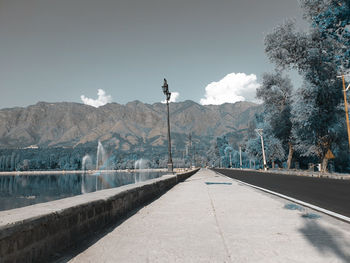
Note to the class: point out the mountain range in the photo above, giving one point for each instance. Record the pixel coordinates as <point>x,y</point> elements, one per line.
<point>129,127</point>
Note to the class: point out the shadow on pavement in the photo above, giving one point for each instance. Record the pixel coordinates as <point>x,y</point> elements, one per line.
<point>326,240</point>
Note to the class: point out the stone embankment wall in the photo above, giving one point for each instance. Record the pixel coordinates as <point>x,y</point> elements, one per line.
<point>35,233</point>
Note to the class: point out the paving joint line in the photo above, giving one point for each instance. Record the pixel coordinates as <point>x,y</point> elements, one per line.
<point>218,226</point>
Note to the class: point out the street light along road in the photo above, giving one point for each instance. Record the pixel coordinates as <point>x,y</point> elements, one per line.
<point>260,132</point>
<point>167,94</point>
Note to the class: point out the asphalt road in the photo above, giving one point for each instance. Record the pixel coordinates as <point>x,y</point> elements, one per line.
<point>330,194</point>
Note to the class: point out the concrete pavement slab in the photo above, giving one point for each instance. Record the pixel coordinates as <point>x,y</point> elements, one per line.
<point>199,222</point>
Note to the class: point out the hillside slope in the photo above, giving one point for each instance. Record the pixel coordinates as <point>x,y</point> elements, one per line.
<point>122,126</point>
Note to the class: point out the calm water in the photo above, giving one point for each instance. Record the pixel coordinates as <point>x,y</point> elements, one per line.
<point>23,190</point>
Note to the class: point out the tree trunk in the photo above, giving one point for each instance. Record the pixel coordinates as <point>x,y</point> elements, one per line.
<point>324,165</point>
<point>290,155</point>
<point>273,164</point>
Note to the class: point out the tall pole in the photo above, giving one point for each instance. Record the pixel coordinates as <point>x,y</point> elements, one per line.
<point>263,151</point>
<point>167,94</point>
<point>194,155</point>
<point>260,132</point>
<point>170,160</point>
<point>346,110</point>
<point>190,152</point>
<point>240,157</point>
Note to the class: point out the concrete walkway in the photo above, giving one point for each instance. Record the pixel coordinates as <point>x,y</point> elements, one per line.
<point>199,222</point>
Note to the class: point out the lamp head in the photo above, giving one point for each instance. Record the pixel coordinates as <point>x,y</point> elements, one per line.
<point>165,87</point>
<point>259,131</point>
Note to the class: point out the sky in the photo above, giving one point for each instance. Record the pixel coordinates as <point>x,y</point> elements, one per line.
<point>95,52</point>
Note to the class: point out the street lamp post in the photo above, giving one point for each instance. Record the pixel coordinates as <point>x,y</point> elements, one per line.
<point>168,95</point>
<point>346,106</point>
<point>240,157</point>
<point>230,154</point>
<point>260,132</point>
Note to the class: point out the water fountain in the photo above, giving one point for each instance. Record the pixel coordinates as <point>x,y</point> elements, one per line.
<point>101,156</point>
<point>141,169</point>
<point>86,163</point>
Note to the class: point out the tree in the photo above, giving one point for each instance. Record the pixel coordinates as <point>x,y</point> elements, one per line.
<point>213,155</point>
<point>316,109</point>
<point>274,150</point>
<point>332,19</point>
<point>276,93</point>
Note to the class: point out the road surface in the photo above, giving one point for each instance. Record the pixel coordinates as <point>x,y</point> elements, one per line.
<point>330,194</point>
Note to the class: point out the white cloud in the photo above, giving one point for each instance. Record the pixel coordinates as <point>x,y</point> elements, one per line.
<point>232,88</point>
<point>173,98</point>
<point>100,101</point>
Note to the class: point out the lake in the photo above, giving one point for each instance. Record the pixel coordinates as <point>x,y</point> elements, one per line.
<point>24,190</point>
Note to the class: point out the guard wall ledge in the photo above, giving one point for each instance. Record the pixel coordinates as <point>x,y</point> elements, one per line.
<point>35,233</point>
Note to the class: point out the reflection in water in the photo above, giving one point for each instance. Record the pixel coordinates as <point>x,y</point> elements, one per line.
<point>23,190</point>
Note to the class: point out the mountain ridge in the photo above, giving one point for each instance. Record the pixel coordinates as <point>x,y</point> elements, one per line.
<point>124,127</point>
